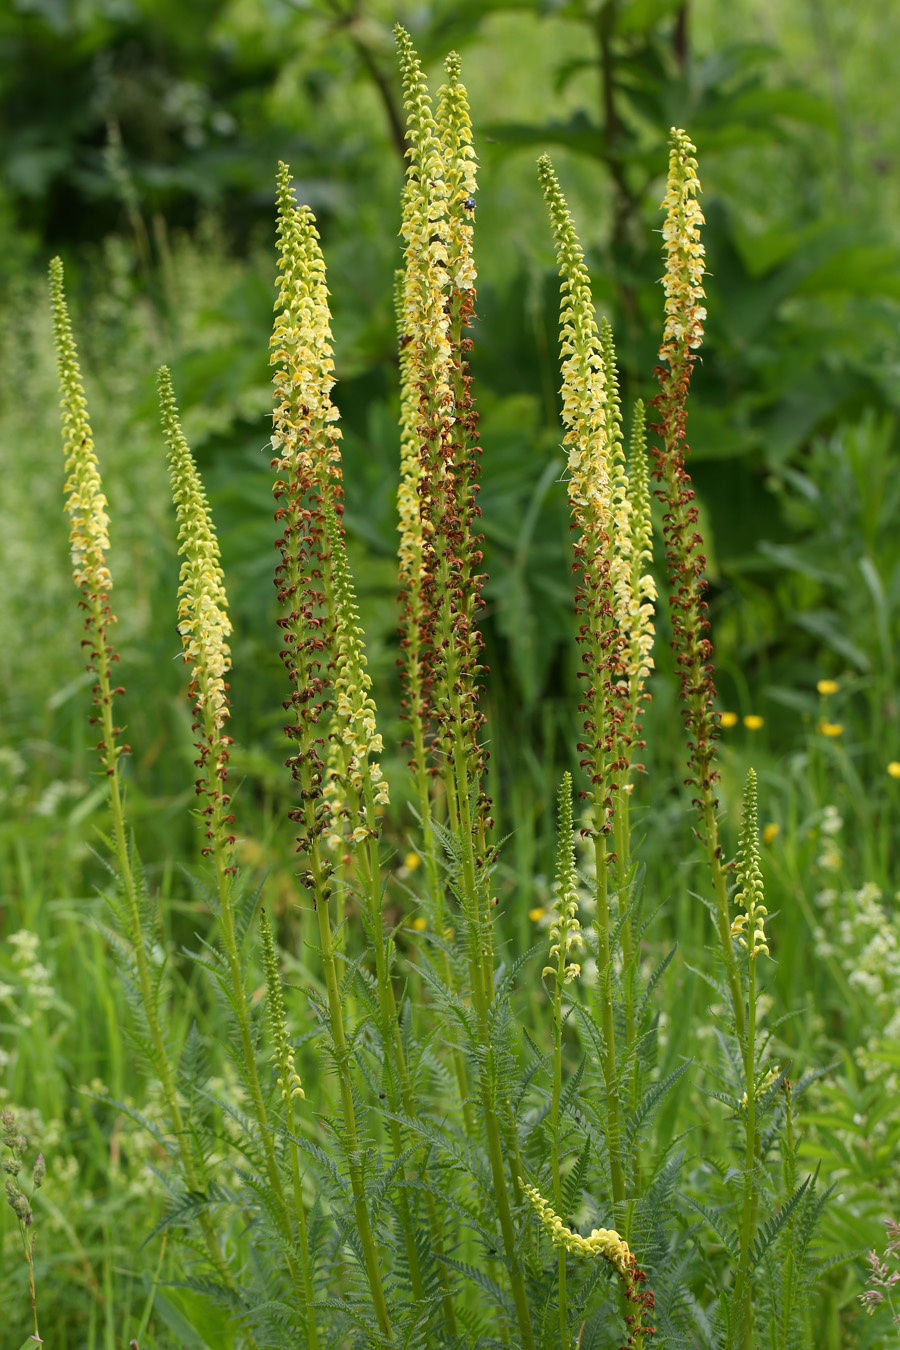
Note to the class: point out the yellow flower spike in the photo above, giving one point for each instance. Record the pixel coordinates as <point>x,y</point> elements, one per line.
<point>729,719</point>
<point>86,507</point>
<point>683,280</point>
<point>771,831</point>
<point>749,927</point>
<point>826,687</point>
<point>830,728</point>
<point>753,721</point>
<point>894,768</point>
<point>536,914</point>
<point>411,861</point>
<point>305,435</point>
<point>85,503</point>
<point>420,925</point>
<point>203,621</point>
<point>598,497</point>
<point>643,586</point>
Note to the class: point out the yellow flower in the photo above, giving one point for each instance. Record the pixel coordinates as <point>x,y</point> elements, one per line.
<point>411,861</point>
<point>753,721</point>
<point>729,719</point>
<point>894,768</point>
<point>420,925</point>
<point>831,728</point>
<point>771,832</point>
<point>828,686</point>
<point>536,914</point>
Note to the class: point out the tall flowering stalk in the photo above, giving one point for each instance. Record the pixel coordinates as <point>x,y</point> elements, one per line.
<point>440,156</point>
<point>291,1089</point>
<point>565,936</point>
<point>205,627</point>
<point>750,930</point>
<point>307,458</point>
<point>86,507</point>
<point>601,521</point>
<point>438,308</point>
<point>682,335</point>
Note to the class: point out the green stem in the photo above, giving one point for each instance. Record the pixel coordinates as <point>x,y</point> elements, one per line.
<point>312,1334</point>
<point>604,994</point>
<point>743,1294</point>
<point>622,835</point>
<point>111,753</point>
<point>222,852</point>
<point>342,1059</point>
<point>554,1136</point>
<point>438,911</point>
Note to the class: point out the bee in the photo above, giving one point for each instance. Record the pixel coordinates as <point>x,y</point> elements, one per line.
<point>469,203</point>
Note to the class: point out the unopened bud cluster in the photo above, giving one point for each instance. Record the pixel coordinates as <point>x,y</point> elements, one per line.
<point>17,1144</point>
<point>565,931</point>
<point>749,927</point>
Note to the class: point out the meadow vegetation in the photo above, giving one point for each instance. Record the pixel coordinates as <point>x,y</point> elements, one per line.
<point>537,983</point>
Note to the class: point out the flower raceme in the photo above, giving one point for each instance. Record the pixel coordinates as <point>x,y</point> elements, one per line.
<point>86,507</point>
<point>598,498</point>
<point>203,621</point>
<point>602,1244</point>
<point>440,546</point>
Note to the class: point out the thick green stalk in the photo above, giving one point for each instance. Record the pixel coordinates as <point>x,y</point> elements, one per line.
<point>342,1057</point>
<point>605,999</point>
<point>145,980</point>
<point>312,1333</point>
<point>624,873</point>
<point>482,994</point>
<point>790,1182</point>
<point>743,1293</point>
<point>554,1139</point>
<point>222,855</point>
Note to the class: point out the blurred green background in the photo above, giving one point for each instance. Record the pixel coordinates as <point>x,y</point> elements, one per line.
<point>139,139</point>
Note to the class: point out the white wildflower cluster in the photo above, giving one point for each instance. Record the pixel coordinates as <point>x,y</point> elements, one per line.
<point>55,793</point>
<point>866,942</point>
<point>33,990</point>
<point>12,771</point>
<point>830,858</point>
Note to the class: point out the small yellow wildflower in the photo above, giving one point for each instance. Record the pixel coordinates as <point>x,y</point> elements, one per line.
<point>771,832</point>
<point>536,914</point>
<point>420,925</point>
<point>412,861</point>
<point>894,768</point>
<point>828,686</point>
<point>831,728</point>
<point>753,721</point>
<point>729,719</point>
